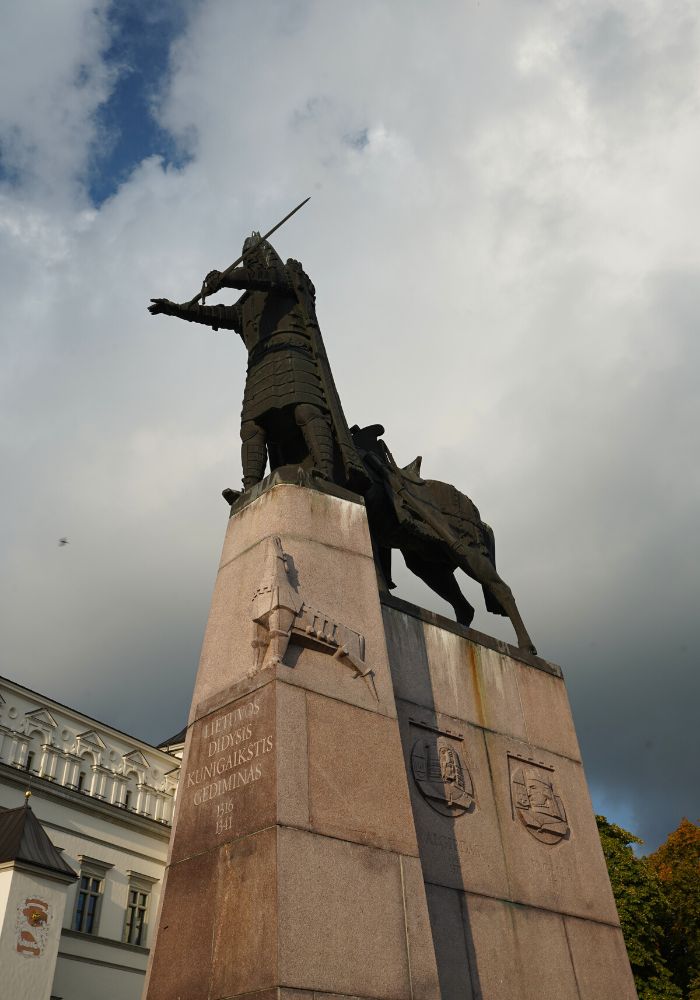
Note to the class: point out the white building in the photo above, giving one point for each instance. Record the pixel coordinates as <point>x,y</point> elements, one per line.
<point>105,800</point>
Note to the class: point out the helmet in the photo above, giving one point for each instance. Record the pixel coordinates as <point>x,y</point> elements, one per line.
<point>260,252</point>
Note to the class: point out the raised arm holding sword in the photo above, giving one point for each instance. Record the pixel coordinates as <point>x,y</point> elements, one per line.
<point>291,410</point>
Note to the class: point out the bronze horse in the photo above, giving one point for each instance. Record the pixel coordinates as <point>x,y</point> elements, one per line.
<point>437,530</point>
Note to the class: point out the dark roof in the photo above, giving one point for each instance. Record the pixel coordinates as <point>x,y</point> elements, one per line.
<point>174,740</point>
<point>23,838</point>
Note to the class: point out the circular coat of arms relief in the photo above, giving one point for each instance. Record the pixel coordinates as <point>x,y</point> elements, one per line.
<point>442,776</point>
<point>537,804</point>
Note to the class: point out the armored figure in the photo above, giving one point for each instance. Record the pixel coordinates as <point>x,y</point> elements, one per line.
<point>292,416</point>
<point>291,409</point>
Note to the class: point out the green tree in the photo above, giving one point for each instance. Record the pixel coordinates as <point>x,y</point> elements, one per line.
<point>677,865</point>
<point>643,909</point>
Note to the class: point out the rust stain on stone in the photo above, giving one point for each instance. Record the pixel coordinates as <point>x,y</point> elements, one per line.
<point>474,667</point>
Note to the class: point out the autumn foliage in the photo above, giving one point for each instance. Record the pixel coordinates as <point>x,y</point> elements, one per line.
<point>677,865</point>
<point>658,900</point>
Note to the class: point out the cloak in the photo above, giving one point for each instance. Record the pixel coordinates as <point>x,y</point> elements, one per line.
<point>355,473</point>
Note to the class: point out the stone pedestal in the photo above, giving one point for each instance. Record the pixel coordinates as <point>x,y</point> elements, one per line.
<point>518,892</point>
<point>294,862</point>
<point>374,802</point>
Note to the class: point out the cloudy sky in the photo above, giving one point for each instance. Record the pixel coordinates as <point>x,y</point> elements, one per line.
<point>503,236</point>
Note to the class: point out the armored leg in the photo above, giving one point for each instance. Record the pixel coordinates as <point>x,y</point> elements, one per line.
<point>317,436</point>
<point>253,453</point>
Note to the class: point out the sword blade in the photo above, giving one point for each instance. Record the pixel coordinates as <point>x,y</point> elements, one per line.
<point>212,291</point>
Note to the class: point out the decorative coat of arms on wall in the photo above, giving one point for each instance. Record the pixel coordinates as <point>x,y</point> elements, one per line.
<point>33,917</point>
<point>440,772</point>
<point>535,800</point>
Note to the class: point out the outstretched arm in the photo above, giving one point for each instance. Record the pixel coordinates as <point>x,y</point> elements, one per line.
<point>249,279</point>
<point>226,317</point>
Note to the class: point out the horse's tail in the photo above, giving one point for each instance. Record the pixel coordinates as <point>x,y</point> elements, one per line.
<point>490,542</point>
<point>492,603</point>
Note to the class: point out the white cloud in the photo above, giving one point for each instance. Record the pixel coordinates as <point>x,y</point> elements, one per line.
<point>52,80</point>
<point>502,234</point>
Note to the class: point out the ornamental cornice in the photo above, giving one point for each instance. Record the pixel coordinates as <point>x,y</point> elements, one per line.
<point>86,803</point>
<point>143,786</point>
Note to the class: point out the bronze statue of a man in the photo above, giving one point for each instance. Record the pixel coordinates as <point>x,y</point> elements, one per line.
<point>291,409</point>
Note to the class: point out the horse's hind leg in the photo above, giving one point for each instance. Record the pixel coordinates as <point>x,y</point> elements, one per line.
<point>481,569</point>
<point>440,578</point>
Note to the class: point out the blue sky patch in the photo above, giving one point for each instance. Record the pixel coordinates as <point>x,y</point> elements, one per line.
<point>358,140</point>
<point>128,132</point>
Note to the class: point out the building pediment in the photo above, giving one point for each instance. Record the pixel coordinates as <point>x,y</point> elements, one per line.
<point>136,759</point>
<point>42,718</point>
<point>92,739</point>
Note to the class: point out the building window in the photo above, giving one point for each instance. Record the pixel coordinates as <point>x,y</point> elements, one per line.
<point>81,781</point>
<point>135,923</point>
<point>127,799</point>
<point>29,761</point>
<point>87,904</point>
<point>137,905</point>
<point>93,873</point>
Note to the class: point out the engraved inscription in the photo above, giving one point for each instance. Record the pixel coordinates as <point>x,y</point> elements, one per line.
<point>233,754</point>
<point>450,849</point>
<point>440,772</point>
<point>535,800</point>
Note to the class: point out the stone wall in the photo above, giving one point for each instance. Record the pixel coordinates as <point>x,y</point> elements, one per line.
<point>518,892</point>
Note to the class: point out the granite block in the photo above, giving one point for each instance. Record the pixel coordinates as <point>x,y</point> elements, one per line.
<point>459,847</point>
<point>304,513</point>
<point>228,787</point>
<point>326,996</point>
<point>547,712</point>
<point>341,917</point>
<point>543,955</point>
<point>408,657</point>
<point>292,758</point>
<point>450,944</point>
<point>472,634</point>
<point>181,963</point>
<point>452,677</point>
<point>495,679</point>
<point>227,656</point>
<point>245,939</point>
<point>357,779</point>
<point>273,994</point>
<point>344,589</point>
<point>425,984</point>
<point>600,961</point>
<point>517,953</point>
<point>495,972</point>
<point>559,866</point>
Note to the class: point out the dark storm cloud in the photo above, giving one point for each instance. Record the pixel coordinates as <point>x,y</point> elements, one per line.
<point>507,276</point>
